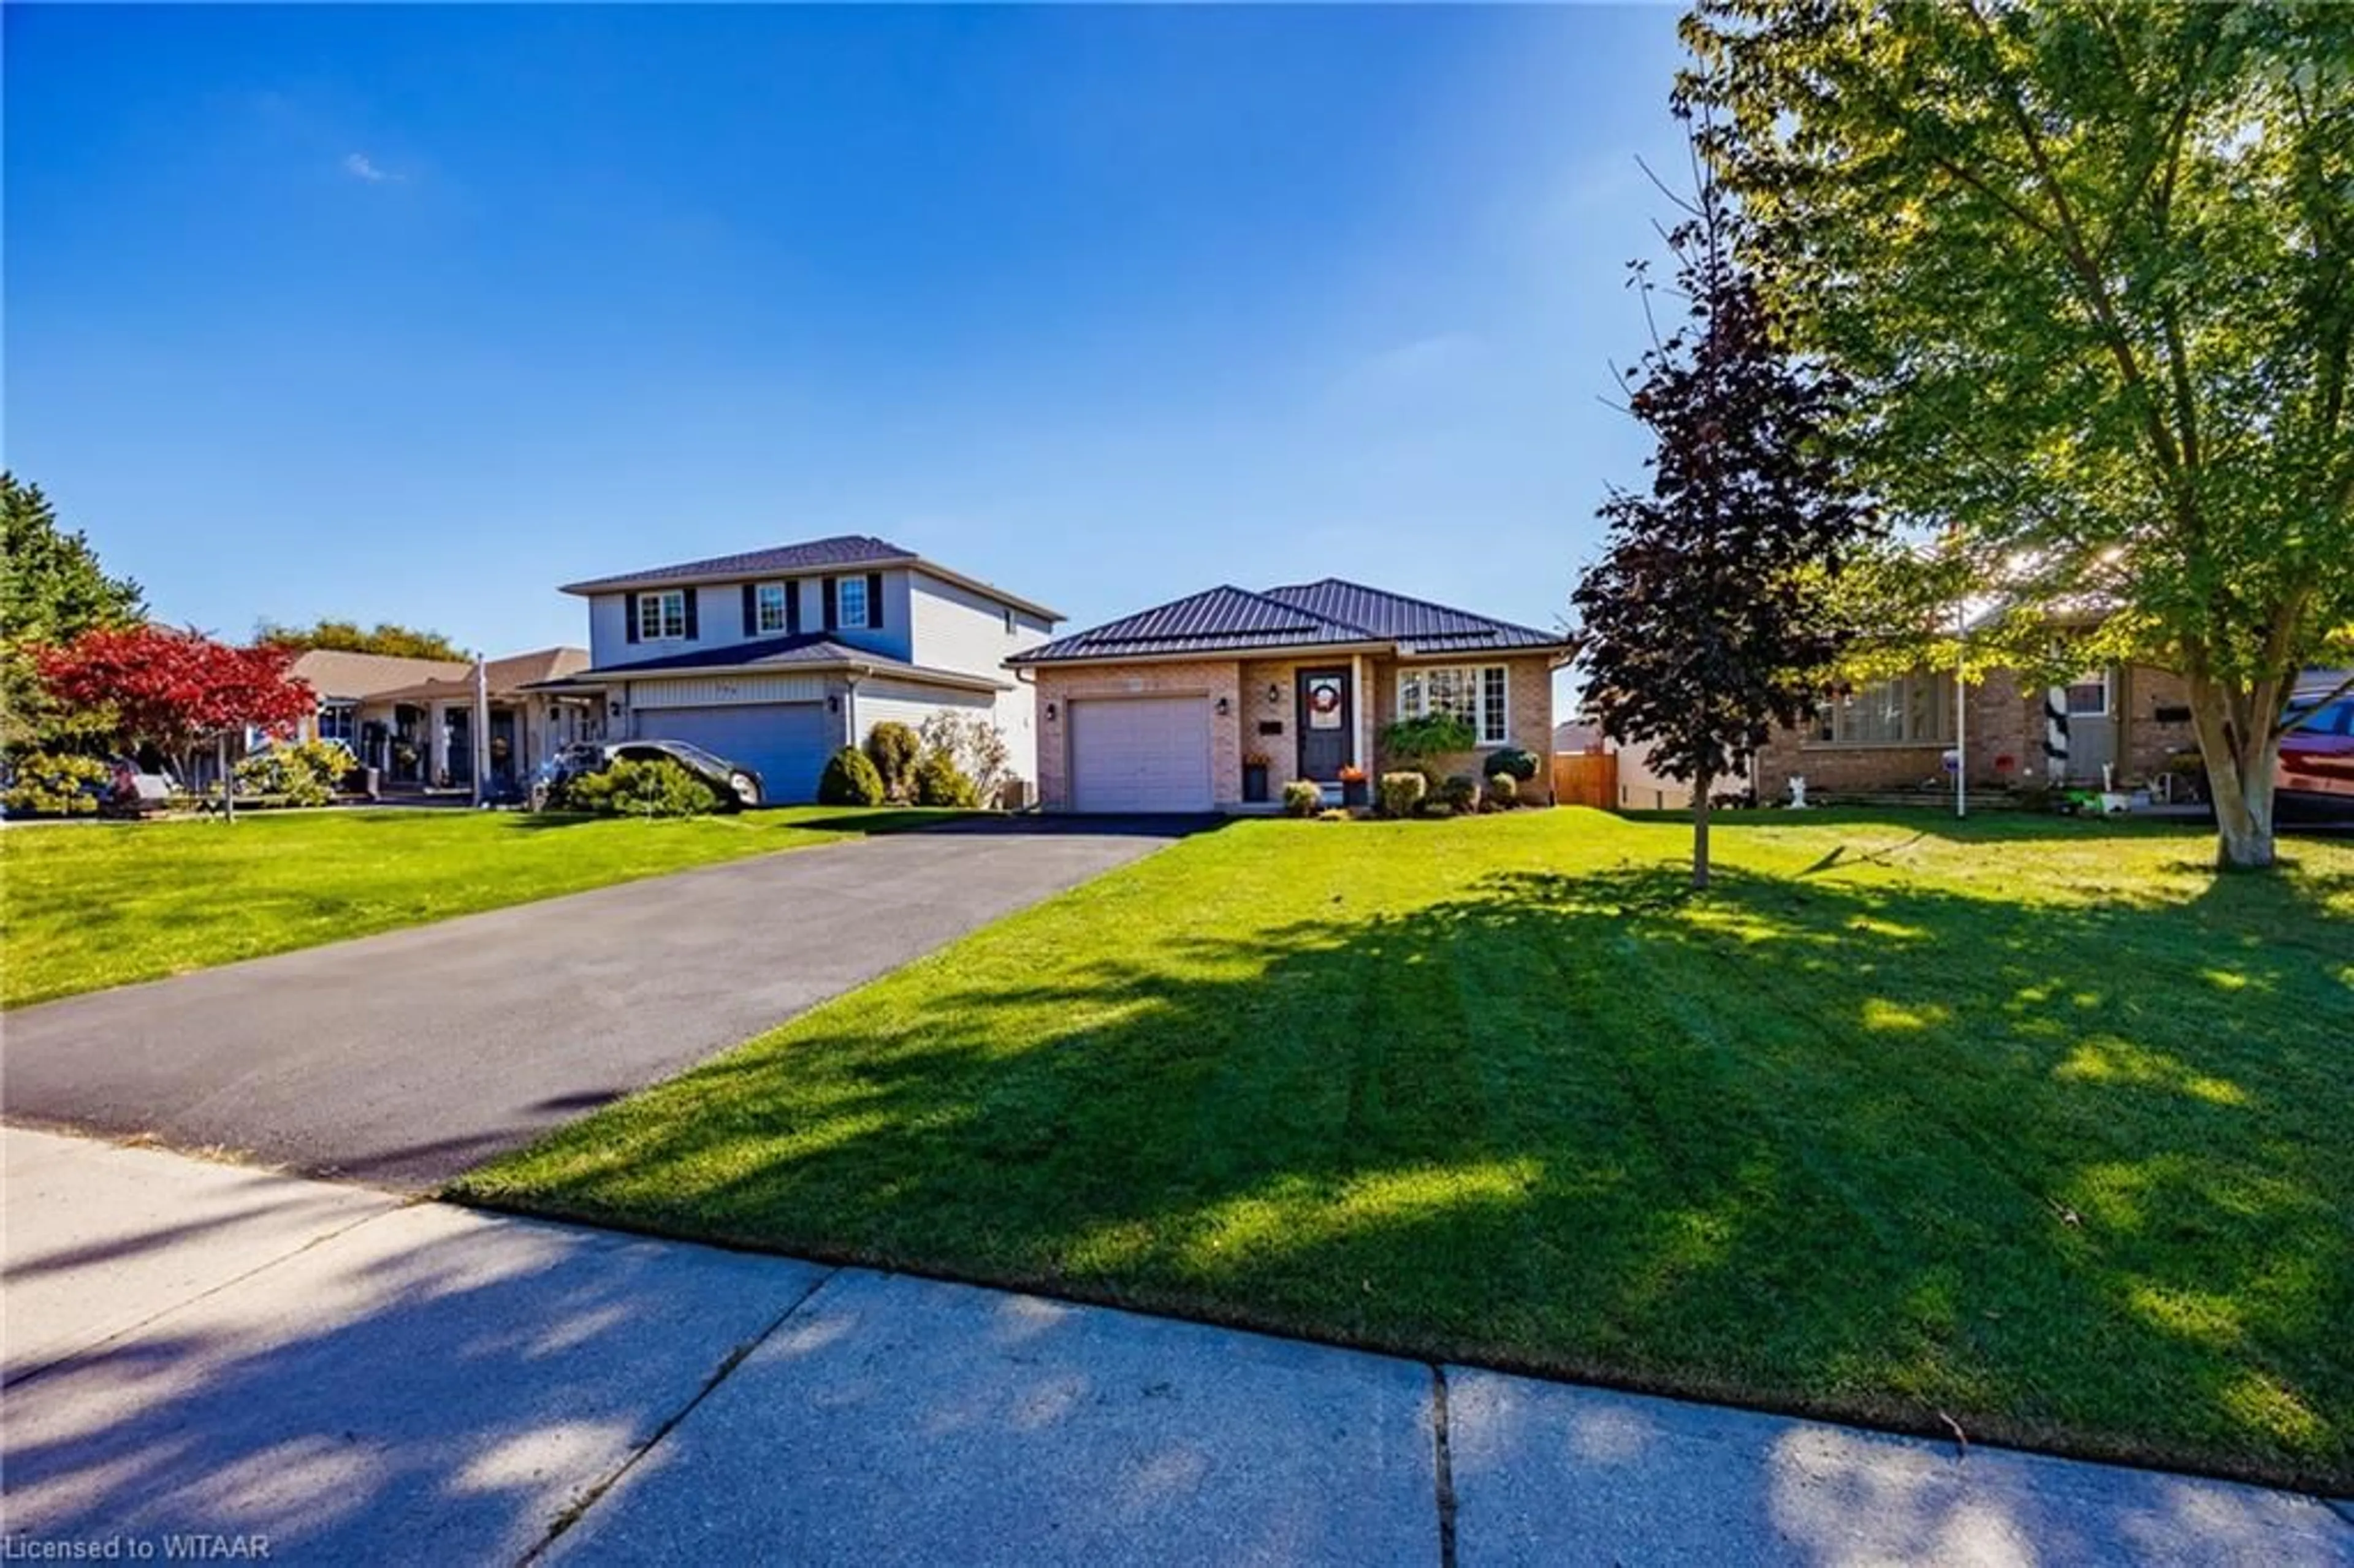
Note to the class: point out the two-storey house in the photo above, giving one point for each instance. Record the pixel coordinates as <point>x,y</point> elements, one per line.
<point>774,658</point>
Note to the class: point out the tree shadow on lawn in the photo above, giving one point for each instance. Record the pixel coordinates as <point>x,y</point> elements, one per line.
<point>2074,1174</point>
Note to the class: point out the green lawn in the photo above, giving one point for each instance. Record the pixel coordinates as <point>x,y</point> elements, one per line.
<point>2034,1124</point>
<point>95,904</point>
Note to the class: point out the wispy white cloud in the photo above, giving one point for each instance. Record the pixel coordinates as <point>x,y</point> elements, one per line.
<point>360,166</point>
<point>1439,362</point>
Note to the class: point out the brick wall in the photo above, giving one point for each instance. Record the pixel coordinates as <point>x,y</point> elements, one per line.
<point>1207,679</point>
<point>1282,750</point>
<point>1527,692</point>
<point>2148,741</point>
<point>2004,746</point>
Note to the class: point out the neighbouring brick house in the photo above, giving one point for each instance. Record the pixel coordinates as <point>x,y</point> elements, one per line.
<point>1886,736</point>
<point>1162,711</point>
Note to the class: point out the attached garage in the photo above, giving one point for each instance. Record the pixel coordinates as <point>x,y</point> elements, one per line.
<point>786,743</point>
<point>1140,754</point>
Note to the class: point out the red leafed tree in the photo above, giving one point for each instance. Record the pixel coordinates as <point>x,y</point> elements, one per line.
<point>173,689</point>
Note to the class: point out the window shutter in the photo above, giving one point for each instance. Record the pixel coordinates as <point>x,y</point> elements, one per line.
<point>874,600</point>
<point>826,588</point>
<point>692,632</point>
<point>751,613</point>
<point>793,605</point>
<point>630,617</point>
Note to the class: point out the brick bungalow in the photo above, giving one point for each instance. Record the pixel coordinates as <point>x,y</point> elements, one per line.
<point>1887,735</point>
<point>1166,710</point>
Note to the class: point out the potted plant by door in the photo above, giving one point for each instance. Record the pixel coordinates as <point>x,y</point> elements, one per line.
<point>1254,767</point>
<point>1352,786</point>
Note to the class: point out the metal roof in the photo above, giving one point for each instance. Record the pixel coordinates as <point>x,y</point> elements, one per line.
<point>1428,626</point>
<point>810,555</point>
<point>1303,615</point>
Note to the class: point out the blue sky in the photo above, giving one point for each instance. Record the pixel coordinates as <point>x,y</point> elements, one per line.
<point>413,313</point>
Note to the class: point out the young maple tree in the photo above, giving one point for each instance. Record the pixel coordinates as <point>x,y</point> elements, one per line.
<point>1705,623</point>
<point>175,689</point>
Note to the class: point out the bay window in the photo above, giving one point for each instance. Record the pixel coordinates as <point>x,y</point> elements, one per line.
<point>1476,694</point>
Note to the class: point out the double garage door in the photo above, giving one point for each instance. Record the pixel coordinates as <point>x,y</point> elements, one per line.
<point>1140,754</point>
<point>786,743</point>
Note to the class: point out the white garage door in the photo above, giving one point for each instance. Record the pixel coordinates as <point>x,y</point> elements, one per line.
<point>1140,754</point>
<point>786,743</point>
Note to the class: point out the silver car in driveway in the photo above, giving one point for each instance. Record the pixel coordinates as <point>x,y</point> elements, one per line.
<point>739,787</point>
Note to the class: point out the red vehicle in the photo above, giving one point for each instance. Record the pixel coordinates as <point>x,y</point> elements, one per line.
<point>2316,755</point>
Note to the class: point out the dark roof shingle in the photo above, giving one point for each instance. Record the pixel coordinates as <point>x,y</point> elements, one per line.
<point>1303,615</point>
<point>811,554</point>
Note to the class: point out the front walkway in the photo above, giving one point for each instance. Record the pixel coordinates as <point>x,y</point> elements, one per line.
<point>198,1349</point>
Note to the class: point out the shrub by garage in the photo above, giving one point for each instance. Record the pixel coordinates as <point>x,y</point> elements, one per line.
<point>630,789</point>
<point>849,779</point>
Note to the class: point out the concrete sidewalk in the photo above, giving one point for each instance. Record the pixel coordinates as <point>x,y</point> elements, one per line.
<point>209,1350</point>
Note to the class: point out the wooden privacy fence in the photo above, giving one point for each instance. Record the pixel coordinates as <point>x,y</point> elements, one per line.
<point>1585,779</point>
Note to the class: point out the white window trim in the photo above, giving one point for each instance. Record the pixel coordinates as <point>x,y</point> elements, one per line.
<point>350,725</point>
<point>760,627</point>
<point>662,599</point>
<point>1478,678</point>
<point>841,605</point>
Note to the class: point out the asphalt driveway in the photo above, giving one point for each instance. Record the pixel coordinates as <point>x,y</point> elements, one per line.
<point>405,1058</point>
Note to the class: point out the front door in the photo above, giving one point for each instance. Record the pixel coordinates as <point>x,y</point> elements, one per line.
<point>1327,732</point>
<point>2092,707</point>
<point>503,744</point>
<point>458,747</point>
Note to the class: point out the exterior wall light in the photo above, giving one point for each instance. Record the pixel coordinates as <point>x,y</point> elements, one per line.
<point>1223,707</point>
<point>1052,713</point>
<point>1275,694</point>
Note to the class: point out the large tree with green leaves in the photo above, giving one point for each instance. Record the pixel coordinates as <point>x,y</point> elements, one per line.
<point>1704,624</point>
<point>351,637</point>
<point>52,589</point>
<point>2091,267</point>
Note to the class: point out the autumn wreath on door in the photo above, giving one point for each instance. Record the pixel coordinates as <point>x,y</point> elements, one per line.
<point>1324,702</point>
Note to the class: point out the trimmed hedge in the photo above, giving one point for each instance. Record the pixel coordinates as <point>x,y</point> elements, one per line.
<point>56,784</point>
<point>306,774</point>
<point>940,782</point>
<point>894,748</point>
<point>651,789</point>
<point>1401,793</point>
<point>849,779</point>
<point>1521,765</point>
